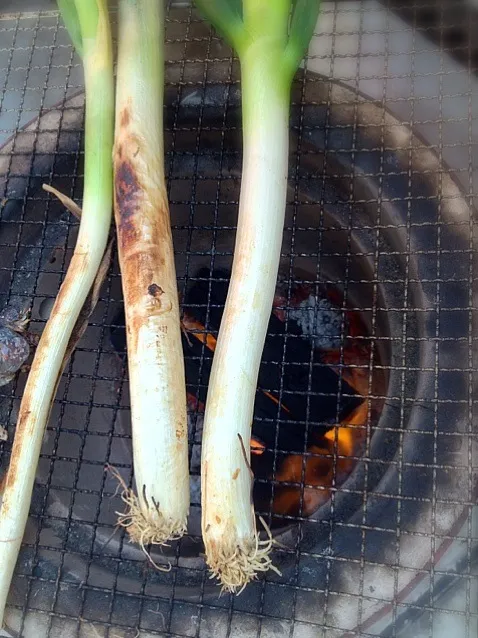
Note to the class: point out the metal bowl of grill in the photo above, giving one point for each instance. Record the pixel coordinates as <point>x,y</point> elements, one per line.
<point>378,226</point>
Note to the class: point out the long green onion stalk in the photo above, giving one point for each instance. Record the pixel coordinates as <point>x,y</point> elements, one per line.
<point>88,20</point>
<point>159,511</point>
<point>270,37</point>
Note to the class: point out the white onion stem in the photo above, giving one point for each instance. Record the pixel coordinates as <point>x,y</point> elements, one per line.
<point>158,513</point>
<point>233,550</point>
<point>89,250</point>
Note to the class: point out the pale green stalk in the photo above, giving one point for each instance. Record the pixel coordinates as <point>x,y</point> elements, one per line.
<point>70,18</point>
<point>93,24</point>
<point>270,45</point>
<point>159,511</point>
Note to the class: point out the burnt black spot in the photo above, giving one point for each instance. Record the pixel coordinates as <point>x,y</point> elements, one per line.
<point>155,291</point>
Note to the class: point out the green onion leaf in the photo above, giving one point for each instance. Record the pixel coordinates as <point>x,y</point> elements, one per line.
<point>226,17</point>
<point>302,25</point>
<point>70,18</point>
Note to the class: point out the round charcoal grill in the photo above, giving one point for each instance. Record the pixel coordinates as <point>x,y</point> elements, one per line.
<point>378,249</point>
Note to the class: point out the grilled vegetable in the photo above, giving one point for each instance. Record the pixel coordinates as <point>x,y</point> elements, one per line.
<point>159,511</point>
<point>270,39</point>
<point>89,20</point>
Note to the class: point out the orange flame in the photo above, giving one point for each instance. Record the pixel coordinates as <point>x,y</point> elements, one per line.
<point>320,468</point>
<point>257,446</point>
<point>196,328</point>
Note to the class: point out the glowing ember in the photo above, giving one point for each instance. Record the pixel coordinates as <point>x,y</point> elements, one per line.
<point>321,468</point>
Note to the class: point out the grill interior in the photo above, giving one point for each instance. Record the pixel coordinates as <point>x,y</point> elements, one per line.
<point>382,182</point>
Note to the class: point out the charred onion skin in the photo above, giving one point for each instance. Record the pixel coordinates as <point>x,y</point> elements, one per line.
<point>158,513</point>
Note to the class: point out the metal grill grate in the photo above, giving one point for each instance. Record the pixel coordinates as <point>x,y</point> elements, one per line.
<point>374,213</point>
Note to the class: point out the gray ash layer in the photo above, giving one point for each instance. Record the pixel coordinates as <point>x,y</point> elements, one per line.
<point>320,320</point>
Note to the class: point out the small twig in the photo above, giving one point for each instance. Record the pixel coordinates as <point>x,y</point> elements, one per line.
<point>68,203</point>
<point>245,455</point>
<point>10,631</point>
<point>109,539</point>
<point>185,332</point>
<point>161,615</point>
<point>90,626</point>
<point>248,467</point>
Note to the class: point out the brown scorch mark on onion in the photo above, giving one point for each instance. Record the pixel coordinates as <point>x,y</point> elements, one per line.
<point>127,190</point>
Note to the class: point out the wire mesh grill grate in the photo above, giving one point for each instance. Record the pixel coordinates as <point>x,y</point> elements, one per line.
<point>373,213</point>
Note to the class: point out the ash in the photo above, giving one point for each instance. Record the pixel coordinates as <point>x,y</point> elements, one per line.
<point>320,320</point>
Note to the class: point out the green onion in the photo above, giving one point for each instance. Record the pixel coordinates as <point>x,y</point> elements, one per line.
<point>87,20</point>
<point>271,38</point>
<point>155,356</point>
<point>72,23</point>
